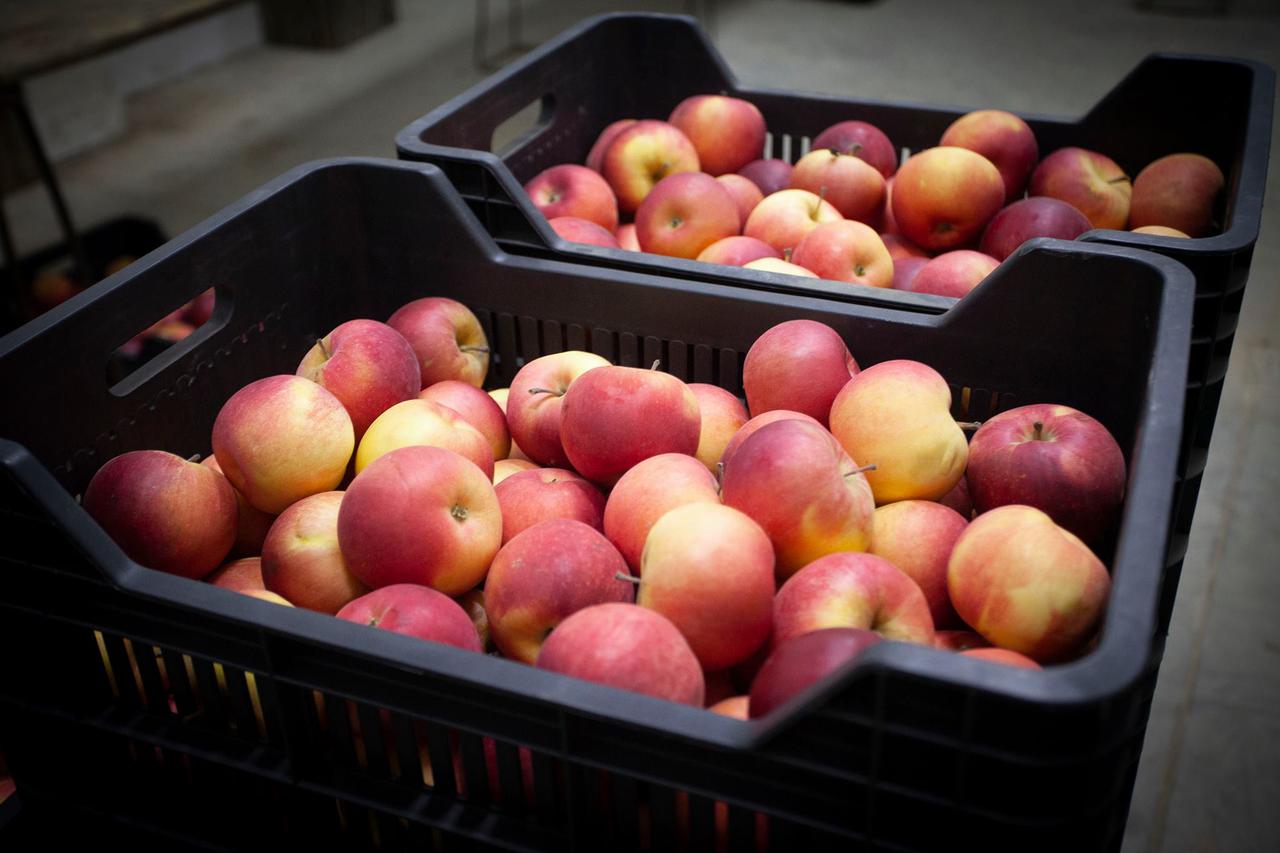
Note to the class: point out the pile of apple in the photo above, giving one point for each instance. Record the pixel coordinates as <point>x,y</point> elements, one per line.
<point>618,525</point>
<point>693,187</point>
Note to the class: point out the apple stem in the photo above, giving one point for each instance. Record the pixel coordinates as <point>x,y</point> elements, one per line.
<point>1038,431</point>
<point>194,457</point>
<point>655,364</point>
<point>862,470</point>
<point>546,391</point>
<point>474,349</point>
<point>968,424</point>
<point>623,576</point>
<point>324,350</point>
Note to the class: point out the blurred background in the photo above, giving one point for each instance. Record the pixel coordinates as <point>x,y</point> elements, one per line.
<point>145,117</point>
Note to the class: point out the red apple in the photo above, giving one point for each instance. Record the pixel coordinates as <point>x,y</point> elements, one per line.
<point>422,422</point>
<point>415,611</point>
<point>1038,216</point>
<point>595,157</point>
<point>722,416</point>
<point>804,661</point>
<point>846,251</point>
<point>626,237</point>
<point>477,408</point>
<point>504,468</point>
<point>905,271</point>
<point>862,140</point>
<point>852,185</point>
<point>447,337</point>
<point>577,230</point>
<point>572,190</point>
<point>1004,656</point>
<point>528,498</point>
<point>367,365</point>
<point>301,560</point>
<point>958,499</point>
<point>684,214</point>
<point>252,523</point>
<point>641,155</point>
<point>533,403</point>
<point>737,251</point>
<point>746,195</point>
<point>953,273</point>
<point>900,248</point>
<point>798,365</point>
<point>728,133</point>
<point>917,538</point>
<point>1004,139</point>
<point>943,197</point>
<point>781,267</point>
<point>243,575</point>
<point>647,492</point>
<point>1178,191</point>
<point>749,428</point>
<point>768,175</point>
<point>784,218</point>
<point>1092,183</point>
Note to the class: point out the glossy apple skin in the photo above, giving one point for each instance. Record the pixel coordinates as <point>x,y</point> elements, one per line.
<point>477,408</point>
<point>572,190</point>
<point>1004,139</point>
<point>746,195</point>
<point>543,575</point>
<point>367,365</point>
<point>768,175</point>
<point>1178,191</point>
<point>534,403</point>
<point>727,132</point>
<point>647,492</point>
<point>578,230</point>
<point>852,185</point>
<point>846,251</point>
<point>684,214</point>
<point>504,468</point>
<point>749,428</point>
<point>595,157</point>
<point>905,271</point>
<point>797,365</point>
<point>722,416</point>
<point>943,197</point>
<point>803,661</point>
<point>785,217</point>
<point>628,647</point>
<point>778,266</point>
<point>415,611</point>
<point>795,481</point>
<point>615,417</point>
<point>1039,216</point>
<point>252,523</point>
<point>1071,468</point>
<point>528,498</point>
<point>845,590</point>
<point>1091,182</point>
<point>626,237</point>
<point>301,559</point>
<point>243,575</point>
<point>862,140</point>
<point>420,515</point>
<point>447,337</point>
<point>737,251</point>
<point>1026,584</point>
<point>164,512</point>
<point>955,273</point>
<point>917,538</point>
<point>641,155</point>
<point>424,422</point>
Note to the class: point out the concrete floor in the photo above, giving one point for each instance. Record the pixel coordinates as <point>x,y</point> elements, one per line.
<point>1210,774</point>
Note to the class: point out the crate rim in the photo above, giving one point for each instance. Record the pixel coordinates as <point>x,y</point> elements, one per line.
<point>1105,672</point>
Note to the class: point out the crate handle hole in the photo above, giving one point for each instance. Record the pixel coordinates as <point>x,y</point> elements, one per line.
<point>162,341</point>
<point>525,124</point>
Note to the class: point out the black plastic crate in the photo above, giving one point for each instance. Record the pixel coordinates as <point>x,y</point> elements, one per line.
<point>619,66</point>
<point>153,701</point>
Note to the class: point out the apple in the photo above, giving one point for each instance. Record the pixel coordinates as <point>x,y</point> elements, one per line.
<point>905,271</point>
<point>846,251</point>
<point>1178,191</point>
<point>737,251</point>
<point>577,230</point>
<point>917,538</point>
<point>243,575</point>
<point>572,190</point>
<point>199,311</point>
<point>164,512</point>
<point>781,267</point>
<point>499,396</point>
<point>415,611</point>
<point>647,492</point>
<point>595,157</point>
<point>544,574</point>
<point>958,499</point>
<point>420,515</point>
<point>746,195</point>
<point>900,248</point>
<point>628,647</point>
<point>896,415</point>
<point>1004,139</point>
<point>626,237</point>
<point>802,662</point>
<point>532,497</point>
<point>782,219</point>
<point>422,422</point>
<point>722,416</point>
<point>845,590</point>
<point>1026,584</point>
<point>447,337</point>
<point>1054,458</point>
<point>367,365</point>
<point>269,596</point>
<point>504,468</point>
<point>1004,656</point>
<point>943,197</point>
<point>734,706</point>
<point>301,560</point>
<point>798,365</point>
<point>615,417</point>
<point>852,185</point>
<point>953,273</point>
<point>252,524</point>
<point>768,175</point>
<point>727,132</point>
<point>1092,183</point>
<point>1160,231</point>
<point>641,155</point>
<point>684,214</point>
<point>534,403</point>
<point>709,569</point>
<point>477,408</point>
<point>282,438</point>
<point>749,428</point>
<point>862,140</point>
<point>1038,216</point>
<point>795,481</point>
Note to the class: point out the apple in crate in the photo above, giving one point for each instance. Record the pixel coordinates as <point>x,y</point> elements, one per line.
<point>1004,139</point>
<point>595,157</point>
<point>1178,191</point>
<point>628,647</point>
<point>953,273</point>
<point>367,365</point>
<point>709,569</point>
<point>543,575</point>
<point>535,399</point>
<point>243,575</point>
<point>750,427</point>
<point>846,590</point>
<point>795,481</point>
<point>447,337</point>
<point>745,194</point>
<point>1002,656</point>
<point>615,417</point>
<point>626,237</point>
<point>797,365</point>
<point>252,524</point>
<point>852,185</point>
<point>780,267</point>
<point>846,251</point>
<point>768,175</point>
<point>577,230</point>
<point>896,415</point>
<point>1091,182</point>
<point>685,214</point>
<point>905,271</point>
<point>422,422</point>
<point>477,408</point>
<point>1038,216</point>
<point>737,251</point>
<point>783,219</point>
<point>917,538</point>
<point>415,611</point>
<point>282,438</point>
<point>528,498</point>
<point>943,197</point>
<point>1054,458</point>
<point>722,416</point>
<point>727,132</point>
<point>647,492</point>
<point>641,155</point>
<point>301,560</point>
<point>802,662</point>
<point>504,468</point>
<point>862,140</point>
<point>420,515</point>
<point>572,190</point>
<point>1026,584</point>
<point>164,512</point>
